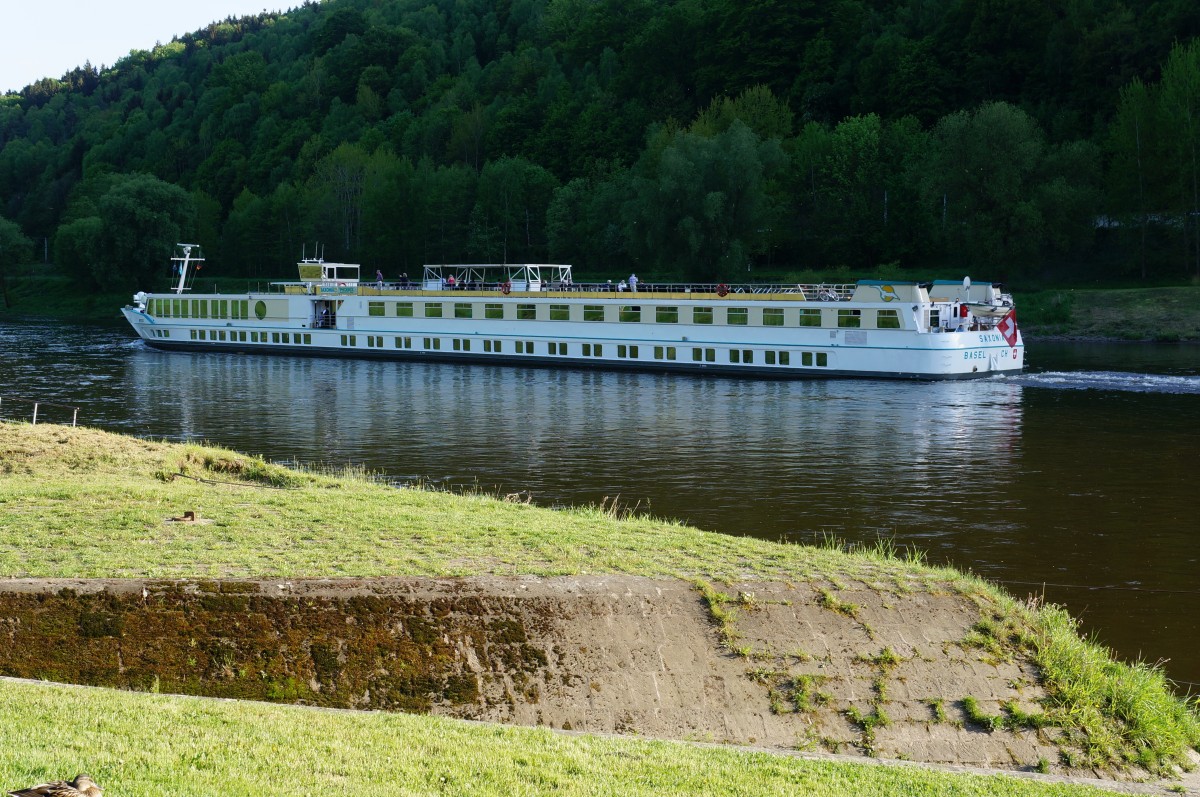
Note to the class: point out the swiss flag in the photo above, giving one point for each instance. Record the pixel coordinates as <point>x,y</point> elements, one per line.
<point>1008,327</point>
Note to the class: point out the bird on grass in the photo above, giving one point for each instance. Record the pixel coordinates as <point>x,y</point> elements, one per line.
<point>82,786</point>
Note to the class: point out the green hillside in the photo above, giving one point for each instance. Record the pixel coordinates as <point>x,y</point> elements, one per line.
<point>1014,140</point>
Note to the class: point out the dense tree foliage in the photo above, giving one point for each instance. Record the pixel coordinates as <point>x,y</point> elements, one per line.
<point>703,138</point>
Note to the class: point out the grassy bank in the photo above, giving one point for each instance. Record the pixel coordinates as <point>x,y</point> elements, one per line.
<point>155,745</point>
<point>1158,314</point>
<point>84,503</point>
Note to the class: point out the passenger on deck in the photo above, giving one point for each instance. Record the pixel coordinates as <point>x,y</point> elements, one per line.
<point>633,281</point>
<point>378,279</point>
<point>621,286</point>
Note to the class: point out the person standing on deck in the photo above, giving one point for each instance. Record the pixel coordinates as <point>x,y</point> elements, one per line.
<point>378,279</point>
<point>633,281</point>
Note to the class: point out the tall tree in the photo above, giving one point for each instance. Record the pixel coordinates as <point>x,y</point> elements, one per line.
<point>699,204</point>
<point>15,248</point>
<point>1180,103</point>
<point>980,179</point>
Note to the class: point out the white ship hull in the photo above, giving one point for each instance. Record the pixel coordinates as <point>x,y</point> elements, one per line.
<point>776,334</point>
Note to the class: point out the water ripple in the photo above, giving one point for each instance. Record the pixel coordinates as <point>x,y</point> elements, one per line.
<point>1111,380</point>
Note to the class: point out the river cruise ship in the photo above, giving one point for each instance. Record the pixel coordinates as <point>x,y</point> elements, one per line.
<point>534,314</point>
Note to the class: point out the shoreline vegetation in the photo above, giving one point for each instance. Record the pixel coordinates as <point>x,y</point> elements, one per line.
<point>82,503</point>
<point>1134,314</point>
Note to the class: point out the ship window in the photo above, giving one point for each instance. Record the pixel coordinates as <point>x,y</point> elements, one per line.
<point>433,309</point>
<point>806,358</point>
<point>630,313</point>
<point>593,312</point>
<point>287,338</point>
<point>851,319</point>
<point>244,309</point>
<point>194,334</point>
<point>404,309</point>
<point>462,310</point>
<point>666,315</point>
<point>493,311</point>
<point>560,312</point>
<point>260,309</point>
<point>737,316</point>
<point>224,308</point>
<point>664,352</point>
<point>375,308</point>
<point>627,351</point>
<point>769,357</point>
<point>888,319</point>
<point>822,359</point>
<point>307,338</point>
<point>402,343</point>
<point>554,347</point>
<point>780,358</point>
<point>492,346</point>
<point>810,317</point>
<point>735,355</point>
<point>772,316</point>
<point>741,355</point>
<point>593,350</point>
<point>526,312</point>
<point>785,358</point>
<point>702,315</point>
<point>433,343</point>
<point>934,319</point>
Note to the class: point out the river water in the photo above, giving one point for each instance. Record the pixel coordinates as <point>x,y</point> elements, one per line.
<point>1075,480</point>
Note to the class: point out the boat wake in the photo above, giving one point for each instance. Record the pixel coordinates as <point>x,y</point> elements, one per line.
<point>1111,380</point>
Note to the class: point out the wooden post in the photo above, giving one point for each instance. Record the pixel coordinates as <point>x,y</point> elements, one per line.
<point>74,416</point>
<point>35,408</point>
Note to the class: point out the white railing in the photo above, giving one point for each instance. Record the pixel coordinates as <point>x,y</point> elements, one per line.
<point>36,405</point>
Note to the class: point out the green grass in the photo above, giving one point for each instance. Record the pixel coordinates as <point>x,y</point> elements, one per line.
<point>140,745</point>
<point>1161,314</point>
<point>84,503</point>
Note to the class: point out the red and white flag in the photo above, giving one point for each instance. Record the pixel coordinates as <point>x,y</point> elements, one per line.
<point>1008,327</point>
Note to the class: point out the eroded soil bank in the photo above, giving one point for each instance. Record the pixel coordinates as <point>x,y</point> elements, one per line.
<point>794,669</point>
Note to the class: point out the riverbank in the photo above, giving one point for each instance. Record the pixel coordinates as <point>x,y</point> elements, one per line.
<point>583,619</point>
<point>1165,315</point>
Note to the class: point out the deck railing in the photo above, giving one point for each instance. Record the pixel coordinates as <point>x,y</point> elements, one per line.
<point>32,409</point>
<point>828,292</point>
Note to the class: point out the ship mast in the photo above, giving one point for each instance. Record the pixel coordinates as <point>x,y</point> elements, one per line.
<point>182,260</point>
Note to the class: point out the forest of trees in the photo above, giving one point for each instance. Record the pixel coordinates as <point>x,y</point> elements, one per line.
<point>1032,139</point>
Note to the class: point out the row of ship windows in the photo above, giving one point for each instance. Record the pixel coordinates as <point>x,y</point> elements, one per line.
<point>624,351</point>
<point>242,336</point>
<point>660,314</point>
<point>235,309</point>
<point>556,348</point>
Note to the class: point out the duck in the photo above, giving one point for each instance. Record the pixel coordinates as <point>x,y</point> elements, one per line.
<point>81,786</point>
